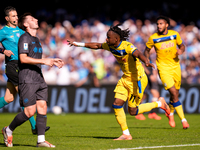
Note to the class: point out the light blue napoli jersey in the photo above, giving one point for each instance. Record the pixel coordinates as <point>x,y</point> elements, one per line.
<point>9,38</point>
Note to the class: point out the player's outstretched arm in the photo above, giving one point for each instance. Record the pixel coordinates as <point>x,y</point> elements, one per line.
<point>139,55</point>
<point>88,45</point>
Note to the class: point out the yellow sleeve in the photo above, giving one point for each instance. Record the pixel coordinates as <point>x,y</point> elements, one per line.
<point>131,48</point>
<point>150,43</point>
<point>105,46</point>
<point>178,39</point>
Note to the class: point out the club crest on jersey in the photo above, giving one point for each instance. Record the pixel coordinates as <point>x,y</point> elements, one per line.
<point>25,46</point>
<point>18,35</point>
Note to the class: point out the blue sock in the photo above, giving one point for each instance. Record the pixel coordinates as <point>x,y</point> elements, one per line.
<point>32,121</point>
<point>3,102</point>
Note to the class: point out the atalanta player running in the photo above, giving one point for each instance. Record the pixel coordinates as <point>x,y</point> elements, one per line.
<point>165,43</point>
<point>134,80</point>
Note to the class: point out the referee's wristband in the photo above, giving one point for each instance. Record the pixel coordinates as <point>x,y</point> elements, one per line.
<point>2,50</point>
<point>79,44</point>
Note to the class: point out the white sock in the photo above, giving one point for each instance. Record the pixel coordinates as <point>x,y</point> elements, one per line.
<point>159,103</point>
<point>183,120</point>
<point>8,131</point>
<point>41,138</point>
<point>171,114</point>
<point>126,132</point>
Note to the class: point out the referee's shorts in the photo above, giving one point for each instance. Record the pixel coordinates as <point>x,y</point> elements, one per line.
<point>11,71</point>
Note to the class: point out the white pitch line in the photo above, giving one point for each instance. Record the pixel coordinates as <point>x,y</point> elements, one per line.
<point>164,146</point>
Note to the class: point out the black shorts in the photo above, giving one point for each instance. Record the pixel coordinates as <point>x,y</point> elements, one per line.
<point>29,93</point>
<point>11,71</point>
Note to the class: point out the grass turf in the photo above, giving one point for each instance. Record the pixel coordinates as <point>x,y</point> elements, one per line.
<point>97,131</point>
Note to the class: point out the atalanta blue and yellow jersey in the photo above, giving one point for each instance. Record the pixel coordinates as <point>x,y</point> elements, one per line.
<point>130,65</point>
<point>9,38</point>
<point>165,46</point>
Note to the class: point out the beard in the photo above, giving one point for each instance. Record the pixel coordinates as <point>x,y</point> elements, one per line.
<point>161,31</point>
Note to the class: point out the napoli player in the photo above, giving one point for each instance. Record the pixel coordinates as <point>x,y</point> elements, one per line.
<point>33,89</point>
<point>9,37</point>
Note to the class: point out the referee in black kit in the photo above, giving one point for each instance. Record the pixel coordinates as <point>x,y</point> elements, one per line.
<point>32,87</point>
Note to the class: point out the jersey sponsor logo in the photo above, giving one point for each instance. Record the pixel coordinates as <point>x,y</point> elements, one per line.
<point>25,46</point>
<point>120,59</point>
<point>15,30</point>
<point>167,45</point>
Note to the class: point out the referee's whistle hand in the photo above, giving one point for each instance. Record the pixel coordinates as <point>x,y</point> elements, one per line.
<point>8,53</point>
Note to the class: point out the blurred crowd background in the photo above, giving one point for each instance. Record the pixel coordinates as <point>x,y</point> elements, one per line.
<point>96,67</point>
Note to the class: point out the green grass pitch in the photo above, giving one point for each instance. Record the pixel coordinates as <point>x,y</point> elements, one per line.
<point>97,131</point>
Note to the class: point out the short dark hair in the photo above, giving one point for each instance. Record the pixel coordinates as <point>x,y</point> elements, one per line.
<point>164,18</point>
<point>124,34</point>
<point>21,20</point>
<point>8,9</point>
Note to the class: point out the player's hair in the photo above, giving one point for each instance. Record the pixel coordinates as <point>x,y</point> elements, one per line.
<point>8,9</point>
<point>164,18</point>
<point>124,34</point>
<point>22,19</point>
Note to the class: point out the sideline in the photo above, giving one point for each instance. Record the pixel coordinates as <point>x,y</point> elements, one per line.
<point>164,146</point>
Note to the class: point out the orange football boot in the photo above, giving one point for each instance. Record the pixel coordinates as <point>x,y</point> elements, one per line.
<point>124,137</point>
<point>164,105</point>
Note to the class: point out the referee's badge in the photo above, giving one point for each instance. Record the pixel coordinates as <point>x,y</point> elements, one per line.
<point>18,35</point>
<point>25,46</point>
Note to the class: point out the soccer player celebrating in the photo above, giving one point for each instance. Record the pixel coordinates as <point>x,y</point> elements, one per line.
<point>134,80</point>
<point>32,87</point>
<point>9,37</point>
<point>165,42</point>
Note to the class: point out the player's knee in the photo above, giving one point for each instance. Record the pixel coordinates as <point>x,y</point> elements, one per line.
<point>118,102</point>
<point>30,113</point>
<point>174,97</point>
<point>42,108</point>
<point>132,111</point>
